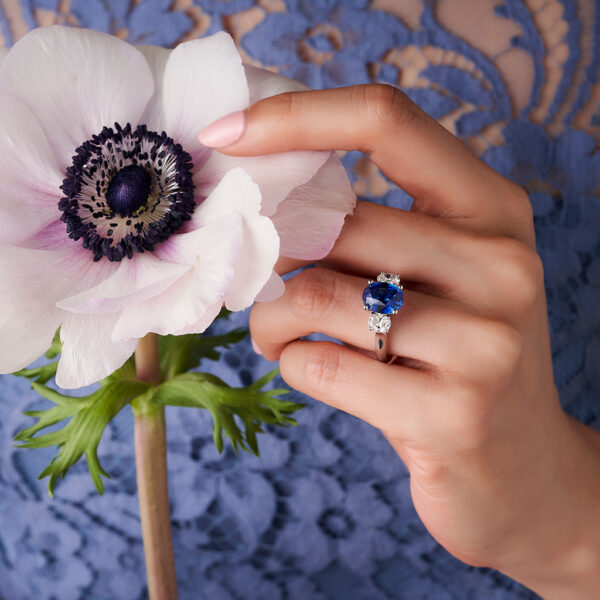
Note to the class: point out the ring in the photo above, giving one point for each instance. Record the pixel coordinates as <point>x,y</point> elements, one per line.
<point>383,298</point>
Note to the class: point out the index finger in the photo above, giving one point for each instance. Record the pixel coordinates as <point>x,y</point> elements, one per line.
<point>410,147</point>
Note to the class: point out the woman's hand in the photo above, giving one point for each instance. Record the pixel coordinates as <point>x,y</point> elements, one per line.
<point>500,475</point>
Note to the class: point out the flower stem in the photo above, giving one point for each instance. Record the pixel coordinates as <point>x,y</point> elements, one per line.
<point>151,466</point>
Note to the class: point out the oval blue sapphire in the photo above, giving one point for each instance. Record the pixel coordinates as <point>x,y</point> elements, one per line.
<point>383,298</point>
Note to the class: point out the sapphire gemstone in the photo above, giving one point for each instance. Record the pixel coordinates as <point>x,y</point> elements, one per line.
<point>383,298</point>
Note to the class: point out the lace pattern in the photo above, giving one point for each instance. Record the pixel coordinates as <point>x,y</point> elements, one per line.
<point>325,513</point>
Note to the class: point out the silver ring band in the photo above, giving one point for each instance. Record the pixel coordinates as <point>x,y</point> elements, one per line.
<point>381,347</point>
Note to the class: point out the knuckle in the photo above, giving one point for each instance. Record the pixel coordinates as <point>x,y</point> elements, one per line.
<point>515,209</point>
<point>312,293</point>
<point>323,367</point>
<point>286,105</point>
<point>520,272</point>
<point>386,106</point>
<point>520,201</point>
<point>501,349</point>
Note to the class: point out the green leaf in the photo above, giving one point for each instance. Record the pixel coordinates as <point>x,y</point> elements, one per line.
<point>224,313</point>
<point>39,374</point>
<point>45,372</point>
<point>182,353</point>
<point>250,405</point>
<point>56,347</point>
<point>81,435</point>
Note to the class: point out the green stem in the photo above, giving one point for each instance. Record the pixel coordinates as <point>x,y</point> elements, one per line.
<point>151,466</point>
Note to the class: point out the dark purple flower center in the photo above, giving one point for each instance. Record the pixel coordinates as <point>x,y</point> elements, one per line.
<point>127,191</point>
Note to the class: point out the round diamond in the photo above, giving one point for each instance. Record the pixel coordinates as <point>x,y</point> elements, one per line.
<point>379,323</point>
<point>383,298</point>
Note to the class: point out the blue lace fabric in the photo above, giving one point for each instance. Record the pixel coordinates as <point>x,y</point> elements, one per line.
<point>325,513</point>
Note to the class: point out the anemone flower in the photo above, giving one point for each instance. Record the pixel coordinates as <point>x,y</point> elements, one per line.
<point>115,221</point>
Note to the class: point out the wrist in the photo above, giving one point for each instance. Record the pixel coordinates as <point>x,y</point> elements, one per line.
<point>562,557</point>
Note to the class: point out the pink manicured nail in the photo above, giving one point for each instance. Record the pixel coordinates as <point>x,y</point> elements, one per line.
<point>224,131</point>
<point>255,347</point>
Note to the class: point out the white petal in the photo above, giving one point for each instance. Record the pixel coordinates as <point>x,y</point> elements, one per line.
<point>213,251</point>
<point>263,83</point>
<point>153,115</point>
<point>309,221</point>
<point>52,237</point>
<point>29,176</point>
<point>255,265</point>
<point>204,80</point>
<point>142,277</point>
<point>30,283</point>
<point>272,290</point>
<point>275,174</point>
<point>28,320</point>
<point>88,353</point>
<point>76,81</point>
<point>237,193</point>
<point>204,322</point>
<point>25,339</point>
<point>3,53</point>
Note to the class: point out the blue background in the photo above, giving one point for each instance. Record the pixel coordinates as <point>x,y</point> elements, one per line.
<point>325,513</point>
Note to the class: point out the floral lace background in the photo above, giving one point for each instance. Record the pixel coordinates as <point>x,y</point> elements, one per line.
<point>325,513</point>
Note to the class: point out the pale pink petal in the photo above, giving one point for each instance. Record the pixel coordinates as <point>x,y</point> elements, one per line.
<point>236,193</point>
<point>311,218</point>
<point>3,53</point>
<point>29,176</point>
<point>31,281</point>
<point>76,81</point>
<point>142,277</point>
<point>275,174</point>
<point>204,80</point>
<point>53,237</point>
<point>89,354</point>
<point>26,337</point>
<point>255,265</point>
<point>204,322</point>
<point>28,319</point>
<point>263,83</point>
<point>213,252</point>
<point>272,289</point>
<point>153,115</point>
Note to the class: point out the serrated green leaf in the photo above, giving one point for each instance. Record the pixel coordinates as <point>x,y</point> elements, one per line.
<point>182,353</point>
<point>56,347</point>
<point>224,313</point>
<point>252,406</point>
<point>81,435</point>
<point>40,374</point>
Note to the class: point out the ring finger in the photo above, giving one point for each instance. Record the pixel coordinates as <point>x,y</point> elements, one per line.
<point>426,329</point>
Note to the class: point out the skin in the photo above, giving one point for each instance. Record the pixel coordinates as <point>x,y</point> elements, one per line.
<point>500,475</point>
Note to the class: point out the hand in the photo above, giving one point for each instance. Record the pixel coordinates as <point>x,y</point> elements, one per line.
<point>500,475</point>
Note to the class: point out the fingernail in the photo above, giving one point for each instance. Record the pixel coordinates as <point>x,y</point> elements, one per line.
<point>255,347</point>
<point>224,131</point>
